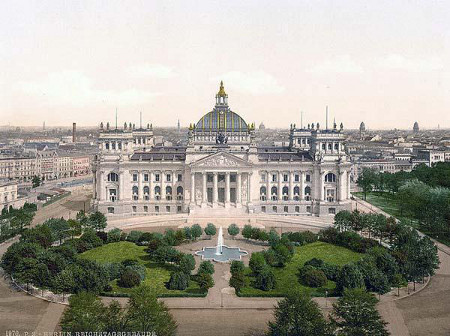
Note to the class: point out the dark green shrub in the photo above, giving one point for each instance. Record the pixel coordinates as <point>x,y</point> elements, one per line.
<point>178,280</point>
<point>129,278</point>
<point>205,281</point>
<point>206,267</point>
<point>237,266</point>
<point>312,277</point>
<point>257,262</point>
<point>265,279</point>
<point>314,262</point>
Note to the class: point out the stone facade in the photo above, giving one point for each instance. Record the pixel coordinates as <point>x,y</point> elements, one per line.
<point>222,167</point>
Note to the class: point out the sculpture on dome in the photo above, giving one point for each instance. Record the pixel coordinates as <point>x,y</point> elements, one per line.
<point>221,139</point>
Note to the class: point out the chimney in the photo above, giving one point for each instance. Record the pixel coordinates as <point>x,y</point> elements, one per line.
<point>74,132</point>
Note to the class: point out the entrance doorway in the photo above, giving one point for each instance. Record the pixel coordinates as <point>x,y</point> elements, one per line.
<point>221,195</point>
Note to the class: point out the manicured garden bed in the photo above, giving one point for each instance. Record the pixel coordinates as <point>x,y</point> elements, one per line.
<point>156,275</point>
<point>286,277</point>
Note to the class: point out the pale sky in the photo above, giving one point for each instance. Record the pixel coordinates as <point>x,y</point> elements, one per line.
<point>382,62</point>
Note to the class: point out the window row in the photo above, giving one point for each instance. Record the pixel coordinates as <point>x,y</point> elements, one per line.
<point>285,178</point>
<point>285,193</point>
<point>157,190</point>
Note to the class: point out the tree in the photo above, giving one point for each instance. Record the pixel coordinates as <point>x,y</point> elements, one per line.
<point>36,181</point>
<point>18,251</point>
<point>64,282</point>
<point>210,230</point>
<point>257,262</point>
<point>196,231</point>
<point>349,277</point>
<point>165,254</point>
<point>115,318</point>
<point>237,266</point>
<point>97,221</point>
<point>59,227</point>
<point>247,231</point>
<point>355,314</point>
<point>82,219</point>
<point>40,234</point>
<point>85,313</point>
<point>274,237</point>
<point>187,233</point>
<point>114,235</point>
<point>205,281</point>
<point>147,315</point>
<point>187,263</point>
<point>343,220</point>
<point>237,280</point>
<point>398,281</point>
<point>298,315</point>
<point>265,279</point>
<point>74,228</point>
<point>366,180</point>
<point>233,230</point>
<point>206,267</point>
<point>178,280</point>
<point>134,236</point>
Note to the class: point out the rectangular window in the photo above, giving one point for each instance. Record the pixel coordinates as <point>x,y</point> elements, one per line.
<point>263,178</point>
<point>167,208</point>
<point>168,177</point>
<point>157,177</point>
<point>297,177</point>
<point>331,211</point>
<point>308,209</point>
<point>263,209</point>
<point>285,177</point>
<point>146,177</point>
<point>145,208</point>
<point>308,178</point>
<point>274,209</point>
<point>209,178</point>
<point>180,178</point>
<point>274,177</point>
<point>233,178</point>
<point>297,209</point>
<point>110,210</point>
<point>179,208</point>
<point>134,208</point>
<point>156,208</point>
<point>135,177</point>
<point>286,208</point>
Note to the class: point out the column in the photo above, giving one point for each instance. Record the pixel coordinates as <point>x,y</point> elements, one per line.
<point>163,188</point>
<point>280,190</point>
<point>238,189</point>
<point>291,186</point>
<point>340,186</point>
<point>204,192</point>
<point>348,184</point>
<point>102,186</point>
<point>140,191</point>
<point>121,195</point>
<point>249,192</point>
<point>227,189</point>
<point>150,185</point>
<point>302,185</point>
<point>215,190</point>
<point>192,188</point>
<point>321,185</point>
<point>268,192</point>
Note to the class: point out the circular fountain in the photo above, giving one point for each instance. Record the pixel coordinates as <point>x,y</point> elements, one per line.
<point>221,252</point>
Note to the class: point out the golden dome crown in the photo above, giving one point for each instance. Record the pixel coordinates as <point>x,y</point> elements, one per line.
<point>221,92</point>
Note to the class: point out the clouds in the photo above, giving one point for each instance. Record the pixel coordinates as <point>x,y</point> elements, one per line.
<point>151,70</point>
<point>400,62</point>
<point>345,64</point>
<point>338,65</point>
<point>74,88</point>
<point>254,82</point>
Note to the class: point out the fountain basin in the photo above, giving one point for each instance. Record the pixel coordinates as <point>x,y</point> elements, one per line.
<point>228,253</point>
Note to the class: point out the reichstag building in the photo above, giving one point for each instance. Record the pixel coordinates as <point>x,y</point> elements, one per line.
<point>222,169</point>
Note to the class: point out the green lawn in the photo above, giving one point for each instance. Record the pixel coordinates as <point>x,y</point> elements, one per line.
<point>156,275</point>
<point>389,204</point>
<point>286,277</point>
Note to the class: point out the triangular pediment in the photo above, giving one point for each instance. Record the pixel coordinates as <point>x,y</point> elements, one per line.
<point>221,159</point>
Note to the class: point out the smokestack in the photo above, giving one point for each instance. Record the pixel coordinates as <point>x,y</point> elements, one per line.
<point>74,132</point>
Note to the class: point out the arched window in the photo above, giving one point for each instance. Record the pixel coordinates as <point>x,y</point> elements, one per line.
<point>285,193</point>
<point>263,193</point>
<point>158,192</point>
<point>113,177</point>
<point>146,192</point>
<point>168,193</point>
<point>330,177</point>
<point>307,193</point>
<point>179,193</point>
<point>274,193</point>
<point>135,193</point>
<point>296,193</point>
